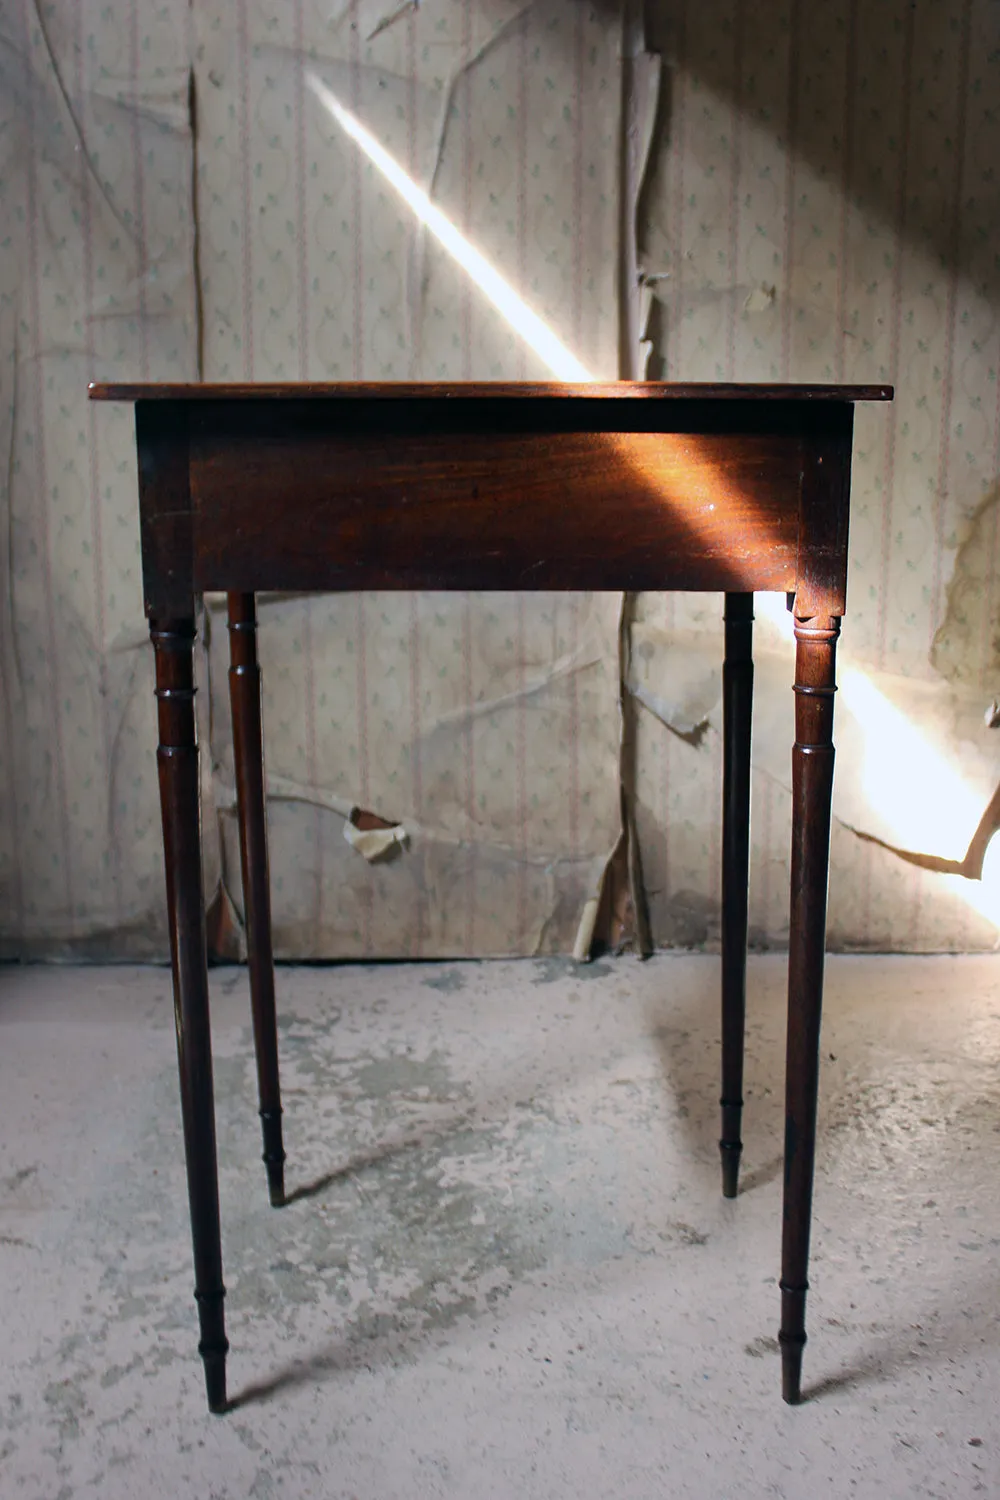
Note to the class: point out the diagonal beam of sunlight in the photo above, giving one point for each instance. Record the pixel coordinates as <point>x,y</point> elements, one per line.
<point>702,513</point>
<point>536,334</point>
<point>881,721</point>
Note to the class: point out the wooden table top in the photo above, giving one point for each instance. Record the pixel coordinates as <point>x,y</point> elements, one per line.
<point>645,390</point>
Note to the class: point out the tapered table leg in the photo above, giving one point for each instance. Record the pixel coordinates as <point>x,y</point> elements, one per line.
<point>177,759</point>
<point>812,787</point>
<point>737,707</point>
<point>248,751</point>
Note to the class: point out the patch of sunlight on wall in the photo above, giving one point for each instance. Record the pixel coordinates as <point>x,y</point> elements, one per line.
<point>983,895</point>
<point>924,802</point>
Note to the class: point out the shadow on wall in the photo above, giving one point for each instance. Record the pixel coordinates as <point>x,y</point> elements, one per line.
<point>846,153</point>
<point>907,76</point>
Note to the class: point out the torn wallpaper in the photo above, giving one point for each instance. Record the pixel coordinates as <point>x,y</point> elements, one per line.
<point>822,204</point>
<point>487,726</point>
<point>192,190</point>
<point>187,204</point>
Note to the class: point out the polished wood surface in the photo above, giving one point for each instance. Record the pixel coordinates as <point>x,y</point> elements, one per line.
<point>177,760</point>
<point>488,492</point>
<point>427,391</point>
<point>812,788</point>
<point>737,708</point>
<point>449,506</point>
<point>248,757</point>
<point>733,488</point>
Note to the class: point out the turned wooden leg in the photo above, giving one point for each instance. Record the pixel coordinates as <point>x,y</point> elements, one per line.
<point>177,759</point>
<point>812,787</point>
<point>737,707</point>
<point>248,752</point>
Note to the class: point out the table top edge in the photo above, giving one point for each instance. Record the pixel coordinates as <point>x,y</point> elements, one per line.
<point>479,390</point>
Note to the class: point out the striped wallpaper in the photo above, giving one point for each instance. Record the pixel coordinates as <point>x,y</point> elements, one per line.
<point>819,203</point>
<point>822,205</point>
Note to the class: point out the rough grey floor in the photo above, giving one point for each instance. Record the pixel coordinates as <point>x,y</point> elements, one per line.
<point>508,1271</point>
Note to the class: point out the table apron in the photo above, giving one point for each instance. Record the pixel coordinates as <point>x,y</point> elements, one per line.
<point>514,510</point>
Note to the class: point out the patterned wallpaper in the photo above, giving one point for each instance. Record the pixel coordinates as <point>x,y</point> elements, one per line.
<point>95,273</point>
<point>822,204</point>
<point>819,203</point>
<point>488,727</point>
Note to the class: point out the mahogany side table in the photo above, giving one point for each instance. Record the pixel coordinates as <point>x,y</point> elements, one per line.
<point>253,488</point>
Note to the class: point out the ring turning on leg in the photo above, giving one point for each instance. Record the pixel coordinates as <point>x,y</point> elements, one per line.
<point>177,759</point>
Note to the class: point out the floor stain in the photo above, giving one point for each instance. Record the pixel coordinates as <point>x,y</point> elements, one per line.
<point>759,1347</point>
<point>448,983</point>
<point>554,970</point>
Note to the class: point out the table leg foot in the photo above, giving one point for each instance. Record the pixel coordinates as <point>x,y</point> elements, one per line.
<point>213,1346</point>
<point>792,1346</point>
<point>215,1380</point>
<point>730,1152</point>
<point>274,1156</point>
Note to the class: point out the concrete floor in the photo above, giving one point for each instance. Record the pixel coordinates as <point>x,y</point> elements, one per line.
<point>508,1271</point>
